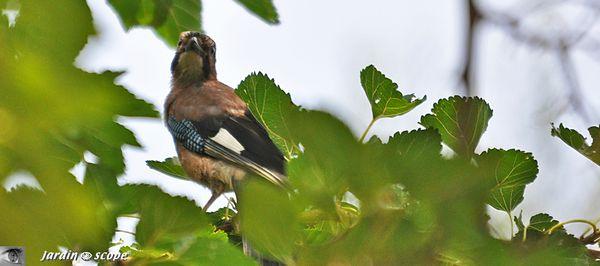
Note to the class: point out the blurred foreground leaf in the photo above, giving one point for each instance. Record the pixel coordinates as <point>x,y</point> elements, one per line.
<point>263,9</point>
<point>461,122</point>
<point>42,221</point>
<point>164,218</point>
<point>171,17</point>
<point>167,17</point>
<point>51,114</point>
<point>213,248</point>
<point>205,247</point>
<point>173,229</point>
<point>269,220</point>
<point>574,139</point>
<point>170,166</point>
<point>416,145</point>
<point>330,161</point>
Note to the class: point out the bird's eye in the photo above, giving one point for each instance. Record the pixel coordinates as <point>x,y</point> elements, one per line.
<point>213,50</point>
<point>179,43</point>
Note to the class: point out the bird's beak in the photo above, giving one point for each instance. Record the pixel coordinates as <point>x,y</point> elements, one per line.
<point>194,45</point>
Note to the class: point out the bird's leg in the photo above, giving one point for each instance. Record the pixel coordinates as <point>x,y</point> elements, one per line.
<point>231,203</point>
<point>210,201</point>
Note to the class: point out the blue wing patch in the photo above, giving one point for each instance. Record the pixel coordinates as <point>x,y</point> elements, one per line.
<point>185,132</point>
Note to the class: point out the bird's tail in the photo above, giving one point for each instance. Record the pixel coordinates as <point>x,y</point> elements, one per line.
<point>217,150</point>
<point>249,251</point>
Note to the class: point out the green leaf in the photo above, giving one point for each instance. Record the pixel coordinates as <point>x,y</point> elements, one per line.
<point>404,158</point>
<point>212,248</point>
<point>461,122</point>
<point>269,220</point>
<point>51,113</point>
<point>416,145</point>
<point>168,17</point>
<point>43,220</point>
<point>574,139</point>
<point>541,222</point>
<point>383,94</point>
<point>272,107</point>
<point>221,215</point>
<point>559,247</point>
<point>175,230</point>
<point>519,222</point>
<point>320,233</point>
<point>163,217</point>
<point>101,180</point>
<point>509,171</point>
<point>205,247</point>
<point>375,141</point>
<point>263,9</point>
<point>170,166</point>
<point>395,197</point>
<point>224,220</point>
<point>330,159</point>
<point>537,228</point>
<point>62,117</point>
<point>106,143</point>
<point>147,253</point>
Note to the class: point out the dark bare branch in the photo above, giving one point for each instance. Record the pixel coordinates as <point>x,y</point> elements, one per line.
<point>560,44</point>
<point>467,72</point>
<point>570,76</point>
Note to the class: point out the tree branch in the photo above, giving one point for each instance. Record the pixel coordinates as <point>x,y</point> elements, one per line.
<point>467,72</point>
<point>570,76</point>
<point>561,45</point>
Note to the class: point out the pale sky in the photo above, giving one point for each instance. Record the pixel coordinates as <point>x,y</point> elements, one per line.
<point>317,52</point>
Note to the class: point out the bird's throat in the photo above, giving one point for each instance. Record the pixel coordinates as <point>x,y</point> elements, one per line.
<point>193,69</point>
<point>190,69</point>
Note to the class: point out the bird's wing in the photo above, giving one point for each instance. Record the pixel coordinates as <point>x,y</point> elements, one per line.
<point>240,140</point>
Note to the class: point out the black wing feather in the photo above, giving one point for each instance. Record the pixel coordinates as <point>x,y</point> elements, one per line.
<point>259,153</point>
<point>258,147</point>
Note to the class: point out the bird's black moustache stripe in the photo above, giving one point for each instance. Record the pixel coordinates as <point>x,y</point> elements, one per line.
<point>174,63</point>
<point>206,66</point>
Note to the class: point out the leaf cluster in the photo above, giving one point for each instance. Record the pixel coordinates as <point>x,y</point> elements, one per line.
<point>574,139</point>
<point>380,202</point>
<point>170,17</point>
<point>52,114</point>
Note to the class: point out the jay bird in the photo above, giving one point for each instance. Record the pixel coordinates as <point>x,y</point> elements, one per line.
<point>218,140</point>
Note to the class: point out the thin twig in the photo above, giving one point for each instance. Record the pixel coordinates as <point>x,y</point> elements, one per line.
<point>570,76</point>
<point>467,71</point>
<point>561,45</point>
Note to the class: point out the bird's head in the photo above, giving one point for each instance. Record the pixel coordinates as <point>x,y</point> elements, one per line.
<point>195,58</point>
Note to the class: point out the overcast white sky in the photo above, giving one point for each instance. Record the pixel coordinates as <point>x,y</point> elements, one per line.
<point>317,52</point>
